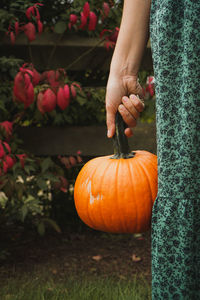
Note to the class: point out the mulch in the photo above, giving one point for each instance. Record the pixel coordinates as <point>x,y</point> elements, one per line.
<point>73,253</point>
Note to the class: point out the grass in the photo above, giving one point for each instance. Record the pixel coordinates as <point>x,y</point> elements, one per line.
<point>39,288</point>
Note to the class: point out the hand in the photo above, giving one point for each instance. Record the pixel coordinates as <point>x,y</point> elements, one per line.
<point>120,95</point>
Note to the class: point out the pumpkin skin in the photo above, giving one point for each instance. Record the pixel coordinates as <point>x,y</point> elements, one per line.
<point>117,195</point>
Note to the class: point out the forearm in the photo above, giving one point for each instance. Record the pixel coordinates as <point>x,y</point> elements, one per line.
<point>132,38</point>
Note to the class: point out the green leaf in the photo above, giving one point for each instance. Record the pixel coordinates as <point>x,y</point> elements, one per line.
<point>28,169</point>
<point>2,106</point>
<point>3,200</point>
<point>60,27</point>
<point>53,224</point>
<point>46,163</point>
<point>41,228</point>
<point>51,177</point>
<point>42,184</point>
<point>24,212</point>
<point>81,99</point>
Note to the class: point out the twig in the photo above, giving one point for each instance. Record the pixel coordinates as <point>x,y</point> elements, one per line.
<point>54,50</point>
<point>30,53</point>
<point>84,54</point>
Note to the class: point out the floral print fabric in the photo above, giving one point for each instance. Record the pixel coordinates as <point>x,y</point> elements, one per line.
<point>175,42</point>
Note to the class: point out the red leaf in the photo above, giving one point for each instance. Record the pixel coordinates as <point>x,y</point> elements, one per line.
<point>65,161</point>
<point>40,4</point>
<point>72,160</point>
<point>30,96</point>
<point>5,167</point>
<point>37,13</point>
<point>26,70</point>
<point>7,147</point>
<point>40,26</point>
<point>62,184</point>
<point>109,44</point>
<point>113,37</point>
<point>49,100</point>
<point>52,78</point>
<point>12,37</point>
<point>103,32</point>
<point>73,91</point>
<point>4,148</point>
<point>78,85</point>
<point>30,11</point>
<point>151,91</point>
<point>22,158</point>
<point>73,19</point>
<point>92,21</point>
<point>83,21</point>
<point>19,88</point>
<point>106,8</point>
<point>36,77</point>
<point>79,159</point>
<point>150,80</point>
<point>67,92</point>
<point>27,80</point>
<point>9,161</point>
<point>7,127</point>
<point>61,100</point>
<point>86,9</point>
<point>39,102</point>
<point>29,30</point>
<point>16,28</point>
<point>150,85</point>
<point>2,152</point>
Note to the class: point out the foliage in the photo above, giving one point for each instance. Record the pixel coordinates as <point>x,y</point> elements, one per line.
<point>29,186</point>
<point>52,98</point>
<point>57,12</point>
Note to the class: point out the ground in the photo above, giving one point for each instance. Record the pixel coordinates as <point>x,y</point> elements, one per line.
<point>87,252</point>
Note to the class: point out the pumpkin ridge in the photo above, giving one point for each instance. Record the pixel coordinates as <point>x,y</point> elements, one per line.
<point>146,174</point>
<point>133,190</point>
<point>102,178</point>
<point>152,166</point>
<point>117,192</point>
<point>88,202</point>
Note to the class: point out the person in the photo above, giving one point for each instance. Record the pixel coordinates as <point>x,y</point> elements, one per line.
<point>174,30</point>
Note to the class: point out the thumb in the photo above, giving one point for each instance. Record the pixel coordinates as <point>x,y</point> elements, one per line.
<point>110,120</point>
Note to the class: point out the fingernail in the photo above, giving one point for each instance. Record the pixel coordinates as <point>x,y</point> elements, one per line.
<point>108,133</point>
<point>125,99</point>
<point>132,96</point>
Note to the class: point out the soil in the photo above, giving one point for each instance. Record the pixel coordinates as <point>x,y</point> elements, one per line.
<point>72,253</point>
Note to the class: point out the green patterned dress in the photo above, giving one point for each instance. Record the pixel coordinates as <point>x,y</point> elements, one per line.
<point>175,41</point>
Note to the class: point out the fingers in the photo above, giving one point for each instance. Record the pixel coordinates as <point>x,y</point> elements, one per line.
<point>134,104</point>
<point>127,116</point>
<point>128,132</point>
<point>130,109</point>
<point>110,120</point>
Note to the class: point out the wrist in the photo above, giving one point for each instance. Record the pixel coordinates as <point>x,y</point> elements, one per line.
<point>124,66</point>
<point>124,70</point>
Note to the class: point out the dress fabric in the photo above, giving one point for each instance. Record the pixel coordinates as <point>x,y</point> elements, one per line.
<point>175,42</point>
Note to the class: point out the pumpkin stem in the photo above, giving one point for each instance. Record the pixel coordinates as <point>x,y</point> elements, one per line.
<point>120,141</point>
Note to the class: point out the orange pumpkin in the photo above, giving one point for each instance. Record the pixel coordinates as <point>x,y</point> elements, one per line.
<point>116,193</point>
